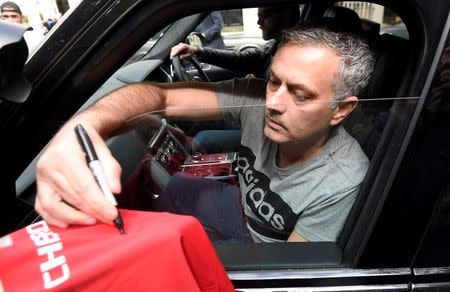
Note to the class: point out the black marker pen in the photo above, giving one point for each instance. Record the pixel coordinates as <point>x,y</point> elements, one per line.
<point>94,165</point>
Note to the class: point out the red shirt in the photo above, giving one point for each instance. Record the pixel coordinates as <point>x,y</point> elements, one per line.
<point>158,252</point>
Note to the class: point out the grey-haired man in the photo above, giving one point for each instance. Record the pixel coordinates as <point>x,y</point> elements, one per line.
<point>299,170</point>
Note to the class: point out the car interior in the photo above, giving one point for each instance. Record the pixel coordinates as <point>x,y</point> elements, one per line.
<point>165,147</point>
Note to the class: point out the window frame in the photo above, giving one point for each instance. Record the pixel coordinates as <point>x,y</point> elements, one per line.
<point>79,76</point>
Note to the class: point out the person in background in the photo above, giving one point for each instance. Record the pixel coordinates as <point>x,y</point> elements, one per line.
<point>49,24</point>
<point>225,135</point>
<point>271,20</point>
<point>209,31</point>
<point>11,12</point>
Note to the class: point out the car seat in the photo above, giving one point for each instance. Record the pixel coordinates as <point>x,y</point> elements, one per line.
<point>341,19</point>
<point>374,123</point>
<point>388,80</point>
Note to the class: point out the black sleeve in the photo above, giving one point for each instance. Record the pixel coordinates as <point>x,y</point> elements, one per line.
<point>251,61</point>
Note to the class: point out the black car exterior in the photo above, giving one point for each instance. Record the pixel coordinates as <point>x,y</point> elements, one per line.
<point>397,238</point>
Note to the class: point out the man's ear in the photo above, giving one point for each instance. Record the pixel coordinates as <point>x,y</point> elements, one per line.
<point>343,109</point>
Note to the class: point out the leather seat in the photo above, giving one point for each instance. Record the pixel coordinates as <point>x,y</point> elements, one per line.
<point>342,19</point>
<point>390,78</point>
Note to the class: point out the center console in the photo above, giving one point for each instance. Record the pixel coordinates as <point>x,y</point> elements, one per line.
<point>169,156</point>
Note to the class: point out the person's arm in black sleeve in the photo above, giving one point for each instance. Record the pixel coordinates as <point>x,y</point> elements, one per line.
<point>249,61</point>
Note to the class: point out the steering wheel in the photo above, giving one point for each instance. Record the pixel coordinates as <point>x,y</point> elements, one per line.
<point>180,69</point>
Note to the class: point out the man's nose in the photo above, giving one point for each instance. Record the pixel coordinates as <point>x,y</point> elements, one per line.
<point>275,100</point>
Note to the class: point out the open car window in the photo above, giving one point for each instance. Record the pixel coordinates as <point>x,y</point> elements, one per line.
<point>170,159</point>
<point>211,170</point>
<point>375,15</point>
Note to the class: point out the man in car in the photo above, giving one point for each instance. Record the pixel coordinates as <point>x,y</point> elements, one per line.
<point>271,20</point>
<point>299,170</point>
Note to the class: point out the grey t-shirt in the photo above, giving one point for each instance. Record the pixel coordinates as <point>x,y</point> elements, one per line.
<point>313,197</point>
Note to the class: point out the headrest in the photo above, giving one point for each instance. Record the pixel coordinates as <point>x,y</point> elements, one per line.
<point>342,19</point>
<point>392,55</point>
<point>13,55</point>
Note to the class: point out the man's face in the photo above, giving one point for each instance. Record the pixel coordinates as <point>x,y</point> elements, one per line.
<point>299,93</point>
<point>271,22</point>
<point>12,16</point>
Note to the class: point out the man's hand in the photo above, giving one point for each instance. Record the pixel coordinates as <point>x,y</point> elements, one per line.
<point>183,50</point>
<point>67,193</point>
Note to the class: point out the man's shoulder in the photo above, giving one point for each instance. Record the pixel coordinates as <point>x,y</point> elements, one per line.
<point>235,95</point>
<point>271,44</point>
<point>347,155</point>
<point>245,86</point>
<point>340,140</point>
<point>243,81</point>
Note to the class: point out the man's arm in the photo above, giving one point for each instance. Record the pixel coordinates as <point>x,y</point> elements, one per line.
<point>296,237</point>
<point>254,60</point>
<point>248,61</point>
<point>62,173</point>
<point>174,100</point>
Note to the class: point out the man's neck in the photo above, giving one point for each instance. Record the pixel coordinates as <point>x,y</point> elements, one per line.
<point>292,153</point>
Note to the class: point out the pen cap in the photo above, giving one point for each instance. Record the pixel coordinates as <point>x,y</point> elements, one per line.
<point>85,143</point>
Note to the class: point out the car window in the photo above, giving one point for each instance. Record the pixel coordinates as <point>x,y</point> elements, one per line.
<point>211,170</point>
<point>240,29</point>
<point>165,158</point>
<point>42,17</point>
<point>374,14</point>
<point>173,154</point>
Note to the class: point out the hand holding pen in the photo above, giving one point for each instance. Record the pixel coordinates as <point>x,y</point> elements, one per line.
<point>94,165</point>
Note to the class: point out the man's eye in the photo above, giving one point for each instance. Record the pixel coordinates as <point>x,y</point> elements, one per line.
<point>300,98</point>
<point>273,84</point>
